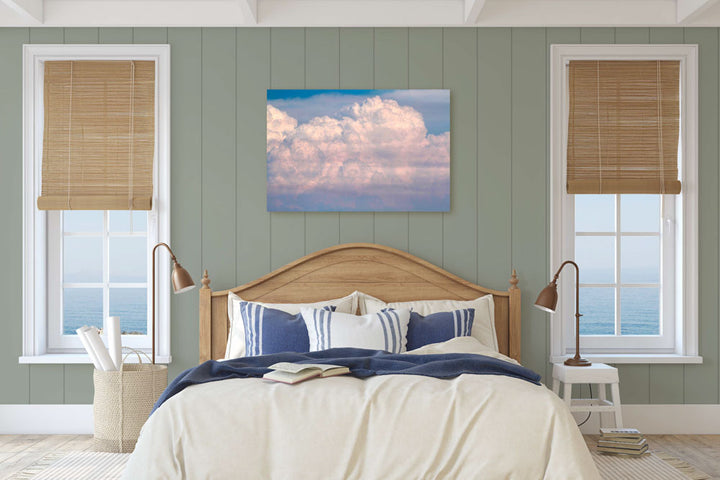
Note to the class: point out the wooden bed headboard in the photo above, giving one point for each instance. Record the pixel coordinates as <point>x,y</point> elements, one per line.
<point>383,272</point>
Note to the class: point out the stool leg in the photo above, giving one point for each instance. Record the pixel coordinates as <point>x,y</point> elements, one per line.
<point>556,386</point>
<point>567,393</point>
<point>615,389</point>
<point>602,396</point>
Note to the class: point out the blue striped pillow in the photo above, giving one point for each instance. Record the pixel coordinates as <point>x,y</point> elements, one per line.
<point>273,331</point>
<point>377,331</point>
<point>439,327</point>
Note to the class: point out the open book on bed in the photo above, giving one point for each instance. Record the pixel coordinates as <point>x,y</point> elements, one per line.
<point>292,373</point>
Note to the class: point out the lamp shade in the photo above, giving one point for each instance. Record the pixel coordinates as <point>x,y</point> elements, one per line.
<point>181,279</point>
<point>547,300</point>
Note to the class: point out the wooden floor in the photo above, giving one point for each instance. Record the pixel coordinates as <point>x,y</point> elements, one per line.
<point>700,451</point>
<point>19,451</point>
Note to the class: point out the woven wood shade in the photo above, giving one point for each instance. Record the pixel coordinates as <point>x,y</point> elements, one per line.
<point>623,129</point>
<point>99,135</point>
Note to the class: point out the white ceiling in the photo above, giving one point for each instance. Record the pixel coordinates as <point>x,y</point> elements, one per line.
<point>346,13</point>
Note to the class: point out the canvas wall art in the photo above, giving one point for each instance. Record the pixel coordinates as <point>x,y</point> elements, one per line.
<point>358,150</point>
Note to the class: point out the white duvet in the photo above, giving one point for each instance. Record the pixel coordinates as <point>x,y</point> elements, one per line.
<point>383,427</point>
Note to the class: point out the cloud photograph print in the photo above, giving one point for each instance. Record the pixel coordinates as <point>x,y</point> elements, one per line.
<point>358,150</point>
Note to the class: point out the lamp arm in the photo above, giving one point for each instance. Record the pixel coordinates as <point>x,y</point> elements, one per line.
<point>577,283</point>
<point>163,244</point>
<point>153,291</point>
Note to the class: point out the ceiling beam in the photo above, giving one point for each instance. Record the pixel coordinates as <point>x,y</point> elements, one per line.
<point>31,10</point>
<point>249,10</point>
<point>472,11</point>
<point>688,10</point>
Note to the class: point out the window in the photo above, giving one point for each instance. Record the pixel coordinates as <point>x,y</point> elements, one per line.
<point>98,267</point>
<point>637,252</point>
<point>82,266</point>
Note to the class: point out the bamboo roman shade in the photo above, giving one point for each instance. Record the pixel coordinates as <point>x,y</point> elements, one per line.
<point>99,135</point>
<point>624,126</point>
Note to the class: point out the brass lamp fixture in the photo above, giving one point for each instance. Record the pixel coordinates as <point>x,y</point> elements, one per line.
<point>181,282</point>
<point>547,301</point>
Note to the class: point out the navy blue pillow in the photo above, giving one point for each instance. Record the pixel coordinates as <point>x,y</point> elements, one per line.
<point>273,331</point>
<point>438,327</point>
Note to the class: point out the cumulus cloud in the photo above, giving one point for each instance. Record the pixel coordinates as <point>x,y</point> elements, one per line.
<point>373,155</point>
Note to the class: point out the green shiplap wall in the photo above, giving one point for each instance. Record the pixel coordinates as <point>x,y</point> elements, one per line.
<point>498,79</point>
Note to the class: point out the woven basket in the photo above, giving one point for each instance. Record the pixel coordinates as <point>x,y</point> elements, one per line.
<point>123,401</point>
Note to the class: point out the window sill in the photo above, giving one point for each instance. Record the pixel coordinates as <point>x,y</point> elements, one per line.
<point>642,358</point>
<point>79,358</point>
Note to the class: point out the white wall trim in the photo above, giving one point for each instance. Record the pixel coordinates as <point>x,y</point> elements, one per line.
<point>46,419</point>
<point>663,419</point>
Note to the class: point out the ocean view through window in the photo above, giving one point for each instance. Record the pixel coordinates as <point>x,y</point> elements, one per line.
<point>105,269</point>
<point>617,243</point>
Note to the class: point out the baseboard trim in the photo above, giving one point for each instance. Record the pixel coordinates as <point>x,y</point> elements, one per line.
<point>46,419</point>
<point>650,419</point>
<point>679,419</point>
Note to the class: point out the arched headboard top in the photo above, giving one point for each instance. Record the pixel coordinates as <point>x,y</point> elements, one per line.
<point>383,272</point>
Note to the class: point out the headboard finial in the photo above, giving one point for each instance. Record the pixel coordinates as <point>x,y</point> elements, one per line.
<point>205,280</point>
<point>514,280</point>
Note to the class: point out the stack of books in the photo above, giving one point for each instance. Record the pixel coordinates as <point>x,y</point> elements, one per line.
<point>624,441</point>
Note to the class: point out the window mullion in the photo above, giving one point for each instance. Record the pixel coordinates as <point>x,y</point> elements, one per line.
<point>106,266</point>
<point>618,279</point>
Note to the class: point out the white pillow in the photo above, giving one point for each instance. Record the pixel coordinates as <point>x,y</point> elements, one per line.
<point>483,326</point>
<point>236,337</point>
<point>460,345</point>
<point>377,331</point>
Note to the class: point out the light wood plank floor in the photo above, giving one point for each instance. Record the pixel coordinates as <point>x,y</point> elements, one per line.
<point>19,451</point>
<point>700,451</point>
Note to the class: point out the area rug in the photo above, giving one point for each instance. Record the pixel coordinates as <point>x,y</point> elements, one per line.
<point>76,466</point>
<point>651,466</point>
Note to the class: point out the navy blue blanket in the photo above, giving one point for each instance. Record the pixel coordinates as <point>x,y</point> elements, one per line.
<point>361,362</point>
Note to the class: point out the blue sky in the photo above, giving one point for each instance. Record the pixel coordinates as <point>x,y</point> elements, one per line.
<point>433,104</point>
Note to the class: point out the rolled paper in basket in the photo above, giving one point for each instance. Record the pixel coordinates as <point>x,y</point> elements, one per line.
<point>96,343</point>
<point>91,353</point>
<point>113,329</point>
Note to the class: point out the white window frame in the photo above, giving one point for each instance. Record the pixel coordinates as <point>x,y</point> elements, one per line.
<point>680,222</point>
<point>35,222</point>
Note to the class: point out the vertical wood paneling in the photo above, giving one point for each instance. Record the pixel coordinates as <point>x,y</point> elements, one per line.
<point>78,386</point>
<point>529,191</point>
<point>500,120</point>
<point>425,60</point>
<point>82,35</point>
<point>554,36</point>
<point>597,35</point>
<point>186,189</point>
<point>494,144</point>
<point>150,35</point>
<point>666,381</point>
<point>322,70</point>
<point>287,70</point>
<point>46,381</point>
<point>15,377</point>
<point>122,35</point>
<point>46,384</point>
<point>218,155</point>
<point>46,35</point>
<point>357,70</point>
<point>391,71</point>
<point>701,381</point>
<point>460,224</point>
<point>253,220</point>
<point>632,35</point>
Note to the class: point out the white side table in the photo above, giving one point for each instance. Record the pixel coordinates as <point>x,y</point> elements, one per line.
<point>598,374</point>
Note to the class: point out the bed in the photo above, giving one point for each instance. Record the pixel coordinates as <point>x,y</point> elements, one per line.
<point>390,426</point>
